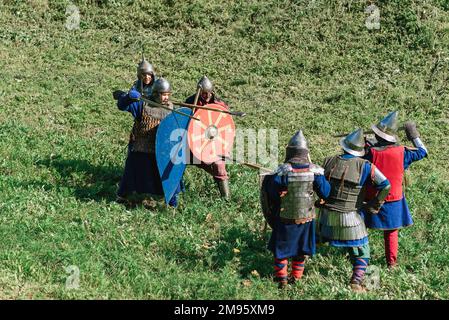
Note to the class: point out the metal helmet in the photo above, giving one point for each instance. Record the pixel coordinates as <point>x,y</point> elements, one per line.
<point>297,147</point>
<point>144,67</point>
<point>387,127</point>
<point>161,86</point>
<point>205,85</point>
<point>354,143</point>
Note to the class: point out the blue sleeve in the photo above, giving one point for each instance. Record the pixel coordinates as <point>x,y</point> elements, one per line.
<point>413,155</point>
<point>135,86</point>
<point>321,186</point>
<point>365,174</point>
<point>125,103</point>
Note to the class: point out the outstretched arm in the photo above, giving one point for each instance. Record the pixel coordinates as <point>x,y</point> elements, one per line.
<point>131,102</point>
<point>411,156</point>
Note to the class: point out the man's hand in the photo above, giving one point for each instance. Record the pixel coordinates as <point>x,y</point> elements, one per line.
<point>410,130</point>
<point>373,206</point>
<point>134,95</point>
<point>117,93</point>
<point>320,203</point>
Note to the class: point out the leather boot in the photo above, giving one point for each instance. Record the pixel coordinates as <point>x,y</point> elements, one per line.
<point>223,186</point>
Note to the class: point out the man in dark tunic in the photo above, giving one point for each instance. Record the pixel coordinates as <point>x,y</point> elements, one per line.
<point>288,196</point>
<point>218,168</point>
<point>141,173</point>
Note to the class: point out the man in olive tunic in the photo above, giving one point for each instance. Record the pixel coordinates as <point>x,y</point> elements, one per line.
<point>340,223</point>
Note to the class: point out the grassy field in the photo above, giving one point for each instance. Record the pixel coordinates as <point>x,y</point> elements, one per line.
<point>289,64</point>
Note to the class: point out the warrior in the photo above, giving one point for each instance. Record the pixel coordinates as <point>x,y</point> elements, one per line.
<point>217,169</point>
<point>288,203</point>
<point>141,173</point>
<point>145,78</point>
<point>340,223</point>
<point>392,159</point>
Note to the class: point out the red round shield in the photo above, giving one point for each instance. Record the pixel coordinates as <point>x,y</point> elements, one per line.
<point>212,137</point>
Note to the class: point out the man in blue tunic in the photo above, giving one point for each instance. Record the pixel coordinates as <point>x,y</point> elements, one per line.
<point>340,223</point>
<point>288,204</point>
<point>141,173</point>
<point>392,159</point>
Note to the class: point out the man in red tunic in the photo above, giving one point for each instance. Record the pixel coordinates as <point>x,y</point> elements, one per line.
<point>217,169</point>
<point>392,159</point>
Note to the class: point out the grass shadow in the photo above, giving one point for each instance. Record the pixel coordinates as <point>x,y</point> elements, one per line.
<point>87,182</point>
<point>253,254</point>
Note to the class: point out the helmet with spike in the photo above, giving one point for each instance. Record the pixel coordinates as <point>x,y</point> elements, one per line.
<point>205,84</point>
<point>144,67</point>
<point>297,149</point>
<point>354,143</point>
<point>161,85</point>
<point>387,127</point>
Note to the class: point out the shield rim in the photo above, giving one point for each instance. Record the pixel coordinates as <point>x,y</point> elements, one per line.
<point>266,211</point>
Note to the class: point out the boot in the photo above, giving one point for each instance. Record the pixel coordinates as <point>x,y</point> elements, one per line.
<point>121,200</point>
<point>280,272</point>
<point>357,288</point>
<point>297,269</point>
<point>149,203</point>
<point>223,186</point>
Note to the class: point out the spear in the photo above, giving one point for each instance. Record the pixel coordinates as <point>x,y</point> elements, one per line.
<point>248,164</point>
<point>192,106</point>
<point>158,105</point>
<point>197,96</point>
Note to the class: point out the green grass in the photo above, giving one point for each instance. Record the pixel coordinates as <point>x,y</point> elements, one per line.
<point>303,64</point>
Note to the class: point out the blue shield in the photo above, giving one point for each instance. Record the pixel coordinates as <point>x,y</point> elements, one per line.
<point>172,150</point>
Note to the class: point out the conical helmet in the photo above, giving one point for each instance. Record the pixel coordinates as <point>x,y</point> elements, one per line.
<point>298,141</point>
<point>161,86</point>
<point>205,84</point>
<point>144,67</point>
<point>297,148</point>
<point>387,127</point>
<point>354,143</point>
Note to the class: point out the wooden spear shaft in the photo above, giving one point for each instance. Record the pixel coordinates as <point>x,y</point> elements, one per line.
<point>158,105</point>
<point>251,165</point>
<point>192,106</point>
<point>197,96</point>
